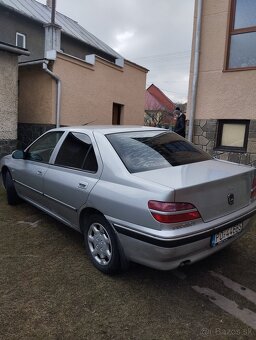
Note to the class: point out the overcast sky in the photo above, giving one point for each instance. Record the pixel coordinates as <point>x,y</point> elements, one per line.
<point>156,34</point>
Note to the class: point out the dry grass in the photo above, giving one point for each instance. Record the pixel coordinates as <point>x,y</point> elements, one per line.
<point>49,289</point>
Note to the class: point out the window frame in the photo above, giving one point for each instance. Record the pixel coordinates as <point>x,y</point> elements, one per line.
<point>39,139</point>
<point>221,123</point>
<point>88,151</point>
<point>24,39</point>
<point>231,31</point>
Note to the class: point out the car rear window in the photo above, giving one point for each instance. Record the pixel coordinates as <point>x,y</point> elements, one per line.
<point>149,150</point>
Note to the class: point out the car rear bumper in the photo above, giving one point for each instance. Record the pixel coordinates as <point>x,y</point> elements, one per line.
<point>166,254</point>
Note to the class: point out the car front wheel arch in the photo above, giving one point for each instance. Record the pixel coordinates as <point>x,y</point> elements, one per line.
<point>4,172</point>
<point>12,196</point>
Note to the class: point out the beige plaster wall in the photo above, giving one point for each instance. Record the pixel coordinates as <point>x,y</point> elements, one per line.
<point>88,92</point>
<point>8,95</point>
<point>36,96</point>
<point>221,94</point>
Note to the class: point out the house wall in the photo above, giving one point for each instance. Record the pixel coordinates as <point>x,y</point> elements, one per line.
<point>36,108</point>
<point>88,94</point>
<point>90,91</point>
<point>79,49</point>
<point>221,94</point>
<point>36,96</point>
<point>8,102</point>
<point>11,22</point>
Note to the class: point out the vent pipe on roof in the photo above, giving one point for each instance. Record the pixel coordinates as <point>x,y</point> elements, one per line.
<point>52,4</point>
<point>52,34</point>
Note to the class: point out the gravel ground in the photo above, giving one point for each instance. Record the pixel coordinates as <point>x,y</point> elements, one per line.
<point>49,289</point>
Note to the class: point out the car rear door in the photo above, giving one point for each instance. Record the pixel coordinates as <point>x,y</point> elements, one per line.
<point>28,174</point>
<point>70,179</point>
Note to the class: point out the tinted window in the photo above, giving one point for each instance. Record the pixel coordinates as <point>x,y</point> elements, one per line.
<point>149,150</point>
<point>41,150</point>
<point>77,152</point>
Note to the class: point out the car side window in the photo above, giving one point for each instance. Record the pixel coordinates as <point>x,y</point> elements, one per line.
<point>77,152</point>
<point>41,150</point>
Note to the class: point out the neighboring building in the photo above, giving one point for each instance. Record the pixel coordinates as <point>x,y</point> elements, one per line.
<point>8,96</point>
<point>70,77</point>
<point>158,108</point>
<point>225,117</point>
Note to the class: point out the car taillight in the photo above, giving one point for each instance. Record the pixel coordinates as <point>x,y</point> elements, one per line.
<point>253,190</point>
<point>167,212</point>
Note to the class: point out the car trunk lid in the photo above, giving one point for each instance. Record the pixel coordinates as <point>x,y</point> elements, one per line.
<point>216,188</point>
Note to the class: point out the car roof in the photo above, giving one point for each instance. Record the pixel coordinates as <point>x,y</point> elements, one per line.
<point>107,129</point>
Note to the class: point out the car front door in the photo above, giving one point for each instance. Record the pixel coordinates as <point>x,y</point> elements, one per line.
<point>28,174</point>
<point>75,171</point>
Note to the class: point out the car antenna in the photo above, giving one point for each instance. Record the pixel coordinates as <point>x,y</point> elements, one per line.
<point>90,122</point>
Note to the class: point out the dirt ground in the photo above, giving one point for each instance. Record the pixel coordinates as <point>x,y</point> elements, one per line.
<point>50,290</point>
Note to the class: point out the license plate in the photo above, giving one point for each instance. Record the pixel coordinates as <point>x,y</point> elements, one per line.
<point>226,234</point>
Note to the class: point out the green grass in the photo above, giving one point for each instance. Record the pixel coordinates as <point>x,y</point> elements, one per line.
<point>50,290</point>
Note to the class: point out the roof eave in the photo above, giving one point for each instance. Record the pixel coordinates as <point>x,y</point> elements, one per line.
<point>13,49</point>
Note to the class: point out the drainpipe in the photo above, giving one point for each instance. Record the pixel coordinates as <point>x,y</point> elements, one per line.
<point>196,69</point>
<point>58,93</point>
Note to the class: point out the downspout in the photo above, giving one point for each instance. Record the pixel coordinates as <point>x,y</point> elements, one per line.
<point>195,69</point>
<point>58,93</point>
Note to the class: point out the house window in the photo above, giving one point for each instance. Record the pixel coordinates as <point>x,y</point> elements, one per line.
<point>117,114</point>
<point>20,40</point>
<point>232,135</point>
<point>242,35</point>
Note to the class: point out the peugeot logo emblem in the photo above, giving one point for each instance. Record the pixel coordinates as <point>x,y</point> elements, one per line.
<point>231,199</point>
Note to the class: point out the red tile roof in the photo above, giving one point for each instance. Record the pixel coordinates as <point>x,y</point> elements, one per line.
<point>159,101</point>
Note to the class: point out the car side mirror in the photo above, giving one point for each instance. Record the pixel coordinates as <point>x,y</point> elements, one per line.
<point>18,154</point>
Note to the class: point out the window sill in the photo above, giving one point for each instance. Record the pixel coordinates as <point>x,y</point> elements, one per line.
<point>229,149</point>
<point>239,69</point>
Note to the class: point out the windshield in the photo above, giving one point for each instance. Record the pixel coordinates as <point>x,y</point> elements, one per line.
<point>149,150</point>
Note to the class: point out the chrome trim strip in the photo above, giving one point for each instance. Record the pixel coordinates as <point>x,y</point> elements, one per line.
<point>41,193</point>
<point>168,213</point>
<point>60,202</point>
<point>180,241</point>
<point>27,186</point>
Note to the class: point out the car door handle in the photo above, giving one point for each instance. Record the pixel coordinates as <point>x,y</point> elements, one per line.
<point>82,185</point>
<point>39,172</point>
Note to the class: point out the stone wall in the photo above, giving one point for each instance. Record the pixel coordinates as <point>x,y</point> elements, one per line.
<point>27,133</point>
<point>205,135</point>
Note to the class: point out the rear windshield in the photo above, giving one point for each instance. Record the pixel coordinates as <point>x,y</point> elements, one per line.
<point>149,150</point>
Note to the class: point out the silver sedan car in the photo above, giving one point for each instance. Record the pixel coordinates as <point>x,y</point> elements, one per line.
<point>137,194</point>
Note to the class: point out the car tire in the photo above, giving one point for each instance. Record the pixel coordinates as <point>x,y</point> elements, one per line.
<point>12,196</point>
<point>101,244</point>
